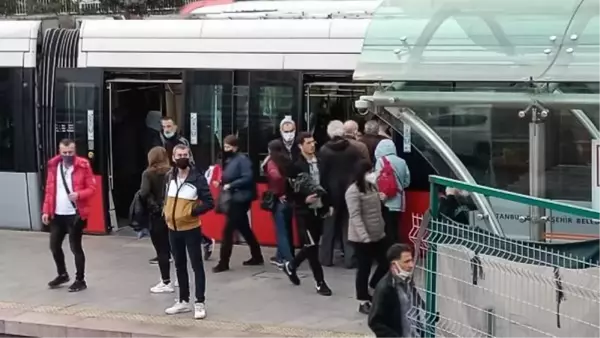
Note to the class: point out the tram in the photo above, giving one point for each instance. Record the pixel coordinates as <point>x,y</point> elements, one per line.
<point>227,68</point>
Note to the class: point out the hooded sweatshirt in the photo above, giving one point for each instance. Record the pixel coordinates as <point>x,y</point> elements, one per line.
<point>386,148</point>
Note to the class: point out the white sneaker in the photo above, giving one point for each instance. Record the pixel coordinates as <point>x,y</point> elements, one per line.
<point>162,288</point>
<point>199,311</point>
<point>179,307</point>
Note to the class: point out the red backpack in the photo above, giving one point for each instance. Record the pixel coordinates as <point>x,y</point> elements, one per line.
<point>386,182</point>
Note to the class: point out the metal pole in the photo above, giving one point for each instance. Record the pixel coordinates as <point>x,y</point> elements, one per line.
<point>537,174</point>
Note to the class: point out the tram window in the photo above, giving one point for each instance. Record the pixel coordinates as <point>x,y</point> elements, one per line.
<point>7,137</point>
<point>210,102</point>
<point>241,98</point>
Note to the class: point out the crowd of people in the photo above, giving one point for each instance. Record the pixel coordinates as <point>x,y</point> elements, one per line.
<point>350,193</point>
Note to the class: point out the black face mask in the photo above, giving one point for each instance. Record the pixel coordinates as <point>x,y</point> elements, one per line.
<point>182,163</point>
<point>227,154</point>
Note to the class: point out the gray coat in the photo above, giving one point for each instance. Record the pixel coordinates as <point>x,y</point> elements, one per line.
<point>365,223</point>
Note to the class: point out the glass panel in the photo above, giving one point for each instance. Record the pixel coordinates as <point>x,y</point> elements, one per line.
<point>241,96</point>
<point>470,40</point>
<point>7,135</point>
<point>273,95</point>
<point>577,60</point>
<point>76,104</point>
<point>207,102</point>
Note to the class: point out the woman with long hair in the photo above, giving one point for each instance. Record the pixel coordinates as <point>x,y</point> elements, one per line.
<point>152,192</point>
<point>366,232</point>
<point>277,167</point>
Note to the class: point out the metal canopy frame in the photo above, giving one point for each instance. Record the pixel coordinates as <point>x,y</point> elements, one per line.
<point>534,105</point>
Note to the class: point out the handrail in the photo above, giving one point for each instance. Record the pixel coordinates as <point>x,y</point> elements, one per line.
<point>513,197</point>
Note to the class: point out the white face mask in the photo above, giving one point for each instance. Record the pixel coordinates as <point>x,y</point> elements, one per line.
<point>169,134</point>
<point>402,274</point>
<point>288,136</point>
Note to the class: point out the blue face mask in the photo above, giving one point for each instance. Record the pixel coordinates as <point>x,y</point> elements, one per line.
<point>67,159</point>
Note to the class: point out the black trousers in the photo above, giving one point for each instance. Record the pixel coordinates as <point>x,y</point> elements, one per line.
<point>237,219</point>
<point>366,254</point>
<point>190,241</point>
<point>310,229</point>
<point>60,226</point>
<point>159,235</point>
<point>337,231</point>
<point>392,224</point>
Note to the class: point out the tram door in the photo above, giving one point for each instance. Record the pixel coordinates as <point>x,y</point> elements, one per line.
<point>332,101</point>
<point>78,116</point>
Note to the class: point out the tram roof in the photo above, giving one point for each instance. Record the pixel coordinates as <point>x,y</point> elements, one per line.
<point>482,40</point>
<point>18,42</point>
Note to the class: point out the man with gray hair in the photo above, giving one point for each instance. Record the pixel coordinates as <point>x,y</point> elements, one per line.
<point>351,134</point>
<point>338,157</point>
<point>371,137</point>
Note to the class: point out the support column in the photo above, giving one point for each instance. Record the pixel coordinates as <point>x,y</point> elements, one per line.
<point>537,171</point>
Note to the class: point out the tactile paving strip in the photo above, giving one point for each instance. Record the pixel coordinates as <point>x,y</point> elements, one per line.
<point>177,321</point>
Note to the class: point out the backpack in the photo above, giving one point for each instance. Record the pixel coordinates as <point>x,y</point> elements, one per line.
<point>386,182</point>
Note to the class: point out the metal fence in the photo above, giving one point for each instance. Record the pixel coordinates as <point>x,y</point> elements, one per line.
<point>36,7</point>
<point>477,284</point>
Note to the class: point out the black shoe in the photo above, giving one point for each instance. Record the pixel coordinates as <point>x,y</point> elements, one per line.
<point>77,286</point>
<point>254,261</point>
<point>220,268</point>
<point>365,308</point>
<point>323,289</point>
<point>153,260</point>
<point>290,271</point>
<point>58,281</point>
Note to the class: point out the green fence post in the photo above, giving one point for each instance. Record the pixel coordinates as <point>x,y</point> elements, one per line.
<point>431,267</point>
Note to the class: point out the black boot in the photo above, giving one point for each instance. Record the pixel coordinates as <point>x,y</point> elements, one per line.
<point>59,280</point>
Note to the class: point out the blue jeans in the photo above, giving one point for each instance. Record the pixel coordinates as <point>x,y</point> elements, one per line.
<point>282,216</point>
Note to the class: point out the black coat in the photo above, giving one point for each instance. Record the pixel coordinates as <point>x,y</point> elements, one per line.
<point>338,160</point>
<point>457,208</point>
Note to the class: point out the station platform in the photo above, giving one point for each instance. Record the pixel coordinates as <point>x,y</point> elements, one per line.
<point>242,302</point>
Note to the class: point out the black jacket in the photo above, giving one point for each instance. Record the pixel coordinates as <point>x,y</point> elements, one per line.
<point>138,213</point>
<point>338,160</point>
<point>299,198</point>
<point>457,208</point>
<point>384,317</point>
<point>152,189</point>
<point>237,172</point>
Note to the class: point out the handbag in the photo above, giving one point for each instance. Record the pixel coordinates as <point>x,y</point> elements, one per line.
<point>267,201</point>
<point>77,220</point>
<point>223,202</point>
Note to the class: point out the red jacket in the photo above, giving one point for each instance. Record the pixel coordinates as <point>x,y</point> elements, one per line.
<point>84,183</point>
<point>275,180</point>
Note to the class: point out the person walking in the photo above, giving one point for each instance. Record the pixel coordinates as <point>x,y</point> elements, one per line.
<point>311,205</point>
<point>237,179</point>
<point>371,138</point>
<point>187,196</point>
<point>395,297</point>
<point>393,177</point>
<point>70,185</point>
<point>152,190</point>
<point>277,167</point>
<point>366,232</point>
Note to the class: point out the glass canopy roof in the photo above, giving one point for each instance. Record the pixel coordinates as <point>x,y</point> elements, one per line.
<point>482,40</point>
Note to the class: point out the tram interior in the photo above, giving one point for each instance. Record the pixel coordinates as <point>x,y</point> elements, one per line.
<point>132,137</point>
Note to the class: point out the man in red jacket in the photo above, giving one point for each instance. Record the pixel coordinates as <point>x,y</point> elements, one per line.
<point>70,185</point>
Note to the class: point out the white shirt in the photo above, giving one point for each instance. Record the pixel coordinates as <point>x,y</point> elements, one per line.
<point>63,204</point>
